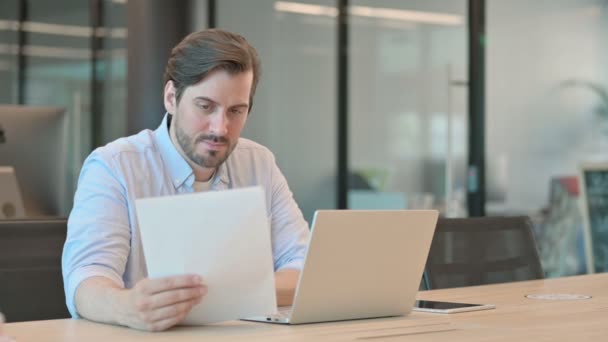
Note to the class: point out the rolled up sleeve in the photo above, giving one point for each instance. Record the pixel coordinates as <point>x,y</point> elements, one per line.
<point>98,237</point>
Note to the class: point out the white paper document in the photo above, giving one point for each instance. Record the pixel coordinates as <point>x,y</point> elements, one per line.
<point>224,236</point>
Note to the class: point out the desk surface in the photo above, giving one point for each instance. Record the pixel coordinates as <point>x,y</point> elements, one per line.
<point>515,318</point>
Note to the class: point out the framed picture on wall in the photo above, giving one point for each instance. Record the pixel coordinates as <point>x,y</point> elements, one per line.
<point>594,207</point>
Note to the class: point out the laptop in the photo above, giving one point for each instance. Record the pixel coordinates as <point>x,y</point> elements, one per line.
<point>360,264</point>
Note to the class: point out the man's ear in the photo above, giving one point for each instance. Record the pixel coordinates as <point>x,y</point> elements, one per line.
<point>170,98</point>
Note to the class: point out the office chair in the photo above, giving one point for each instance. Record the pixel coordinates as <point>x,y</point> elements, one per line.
<point>31,285</point>
<point>482,250</point>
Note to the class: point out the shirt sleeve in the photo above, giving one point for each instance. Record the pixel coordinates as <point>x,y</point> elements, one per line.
<point>290,232</point>
<point>98,237</point>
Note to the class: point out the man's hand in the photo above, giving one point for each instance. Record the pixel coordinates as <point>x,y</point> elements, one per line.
<point>158,304</point>
<point>152,304</point>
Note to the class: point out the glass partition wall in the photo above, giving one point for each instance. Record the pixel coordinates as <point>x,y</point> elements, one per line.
<point>60,54</point>
<point>405,80</point>
<point>407,105</point>
<point>294,113</point>
<point>547,113</point>
<point>407,111</point>
<point>406,98</point>
<point>9,42</point>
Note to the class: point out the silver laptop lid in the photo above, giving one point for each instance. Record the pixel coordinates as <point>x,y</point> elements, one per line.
<point>363,264</point>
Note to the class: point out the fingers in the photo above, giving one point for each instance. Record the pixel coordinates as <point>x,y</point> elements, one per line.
<point>152,286</point>
<point>158,304</point>
<point>180,309</point>
<point>158,300</point>
<point>164,317</point>
<point>163,324</point>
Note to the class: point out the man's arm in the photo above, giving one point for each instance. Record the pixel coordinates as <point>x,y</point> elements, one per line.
<point>152,304</point>
<point>290,231</point>
<point>95,254</point>
<point>98,237</point>
<point>286,281</point>
<point>290,236</point>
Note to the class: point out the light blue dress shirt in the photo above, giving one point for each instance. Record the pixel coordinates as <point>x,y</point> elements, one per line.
<point>103,235</point>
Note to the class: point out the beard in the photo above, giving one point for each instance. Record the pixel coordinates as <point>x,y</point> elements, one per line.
<point>212,159</point>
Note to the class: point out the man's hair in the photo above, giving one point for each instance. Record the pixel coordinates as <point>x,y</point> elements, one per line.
<point>203,52</point>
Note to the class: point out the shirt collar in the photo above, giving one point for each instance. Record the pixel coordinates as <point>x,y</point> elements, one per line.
<point>179,169</point>
<point>221,178</point>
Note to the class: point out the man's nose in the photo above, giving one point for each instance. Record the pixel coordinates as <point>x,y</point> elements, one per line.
<point>219,123</point>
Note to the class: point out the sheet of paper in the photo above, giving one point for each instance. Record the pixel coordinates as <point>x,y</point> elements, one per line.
<point>222,235</point>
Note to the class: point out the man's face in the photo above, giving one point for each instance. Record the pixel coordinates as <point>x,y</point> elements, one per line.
<point>208,120</point>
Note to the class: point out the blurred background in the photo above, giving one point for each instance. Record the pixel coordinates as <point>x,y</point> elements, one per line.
<point>467,106</point>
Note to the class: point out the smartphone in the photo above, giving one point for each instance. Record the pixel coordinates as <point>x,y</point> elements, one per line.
<point>449,307</point>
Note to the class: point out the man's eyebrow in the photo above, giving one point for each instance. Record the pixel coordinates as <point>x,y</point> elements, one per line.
<point>204,98</point>
<point>241,105</point>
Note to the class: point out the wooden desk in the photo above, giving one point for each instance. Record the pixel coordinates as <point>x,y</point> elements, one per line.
<point>515,318</point>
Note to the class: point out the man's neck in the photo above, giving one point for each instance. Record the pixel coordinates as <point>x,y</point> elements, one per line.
<point>202,174</point>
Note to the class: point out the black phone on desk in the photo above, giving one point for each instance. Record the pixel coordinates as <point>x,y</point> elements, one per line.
<point>449,307</point>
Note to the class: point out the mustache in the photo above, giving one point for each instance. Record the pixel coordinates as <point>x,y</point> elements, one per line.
<point>212,137</point>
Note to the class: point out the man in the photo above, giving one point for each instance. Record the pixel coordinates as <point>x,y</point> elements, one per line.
<point>210,80</point>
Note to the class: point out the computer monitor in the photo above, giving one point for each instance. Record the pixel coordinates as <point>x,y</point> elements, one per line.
<point>11,205</point>
<point>33,140</point>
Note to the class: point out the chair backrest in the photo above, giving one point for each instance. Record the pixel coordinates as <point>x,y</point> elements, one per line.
<point>482,250</point>
<point>31,285</point>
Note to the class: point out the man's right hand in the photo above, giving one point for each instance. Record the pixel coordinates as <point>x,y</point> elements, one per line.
<point>158,304</point>
<point>152,304</point>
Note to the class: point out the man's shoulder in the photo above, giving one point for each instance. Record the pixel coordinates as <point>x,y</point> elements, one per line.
<point>250,163</point>
<point>250,147</point>
<point>133,145</point>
